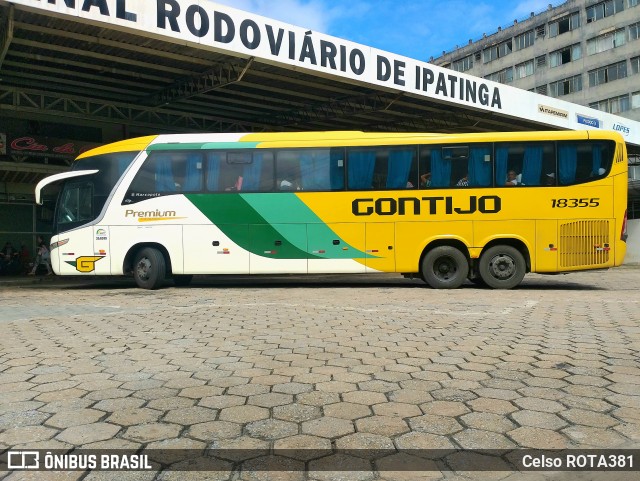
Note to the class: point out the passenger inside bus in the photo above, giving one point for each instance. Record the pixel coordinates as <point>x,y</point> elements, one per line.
<point>512,178</point>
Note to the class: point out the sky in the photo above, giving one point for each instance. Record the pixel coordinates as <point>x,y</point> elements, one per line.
<point>418,29</point>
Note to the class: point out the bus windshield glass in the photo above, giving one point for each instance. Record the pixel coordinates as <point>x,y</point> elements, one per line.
<point>83,198</point>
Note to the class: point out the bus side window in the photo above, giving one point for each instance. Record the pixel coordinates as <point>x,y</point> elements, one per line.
<point>530,162</point>
<point>583,161</point>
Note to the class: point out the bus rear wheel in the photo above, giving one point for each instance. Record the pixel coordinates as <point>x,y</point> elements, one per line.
<point>502,267</point>
<point>445,267</point>
<point>149,268</point>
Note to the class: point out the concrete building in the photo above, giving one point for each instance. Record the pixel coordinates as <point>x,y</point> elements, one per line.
<point>581,51</point>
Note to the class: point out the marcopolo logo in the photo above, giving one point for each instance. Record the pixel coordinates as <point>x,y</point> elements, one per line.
<point>590,121</point>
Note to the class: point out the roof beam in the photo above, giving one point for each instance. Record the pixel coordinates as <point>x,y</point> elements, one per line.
<point>217,77</point>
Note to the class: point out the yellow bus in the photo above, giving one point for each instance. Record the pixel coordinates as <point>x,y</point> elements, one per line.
<point>486,207</point>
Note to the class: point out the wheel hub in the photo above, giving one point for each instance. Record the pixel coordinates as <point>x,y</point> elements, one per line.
<point>143,268</point>
<point>444,268</point>
<point>502,267</point>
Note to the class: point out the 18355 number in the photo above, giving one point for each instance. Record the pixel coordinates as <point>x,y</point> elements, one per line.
<point>572,203</point>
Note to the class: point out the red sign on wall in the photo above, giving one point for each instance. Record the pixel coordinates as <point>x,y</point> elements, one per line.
<point>37,146</point>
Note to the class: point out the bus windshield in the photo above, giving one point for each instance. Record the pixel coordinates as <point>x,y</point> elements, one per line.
<point>83,198</point>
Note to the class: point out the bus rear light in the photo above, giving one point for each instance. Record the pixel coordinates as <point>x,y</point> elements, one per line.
<point>623,234</point>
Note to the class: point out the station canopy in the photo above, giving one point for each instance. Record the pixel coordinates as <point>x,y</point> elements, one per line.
<point>196,66</point>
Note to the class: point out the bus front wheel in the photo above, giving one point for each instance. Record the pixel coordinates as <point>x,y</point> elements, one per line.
<point>445,267</point>
<point>149,268</point>
<point>502,267</point>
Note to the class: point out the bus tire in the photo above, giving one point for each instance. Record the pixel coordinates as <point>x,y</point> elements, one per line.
<point>445,267</point>
<point>149,268</point>
<point>182,280</point>
<point>502,267</point>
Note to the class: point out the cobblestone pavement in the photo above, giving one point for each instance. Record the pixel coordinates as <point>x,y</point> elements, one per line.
<point>356,364</point>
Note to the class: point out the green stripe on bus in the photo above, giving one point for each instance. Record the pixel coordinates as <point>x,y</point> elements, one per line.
<point>265,215</point>
<point>225,210</point>
<point>271,208</point>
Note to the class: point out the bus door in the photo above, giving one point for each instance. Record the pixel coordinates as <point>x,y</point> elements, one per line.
<point>336,248</point>
<point>76,253</point>
<point>278,248</point>
<point>210,249</point>
<point>380,247</point>
<point>546,246</point>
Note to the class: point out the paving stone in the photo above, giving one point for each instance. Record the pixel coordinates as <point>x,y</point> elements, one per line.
<point>77,417</point>
<point>481,439</point>
<point>303,447</point>
<point>23,418</point>
<point>435,424</point>
<point>444,408</point>
<point>270,400</point>
<point>292,388</point>
<point>397,409</point>
<point>212,430</point>
<point>588,418</point>
<point>539,419</point>
<point>240,448</point>
<point>456,395</point>
<point>243,414</point>
<point>327,427</point>
<point>167,404</point>
<point>594,437</point>
<point>538,438</point>
<point>26,435</point>
<point>222,401</point>
<point>117,404</point>
<point>317,398</point>
<point>147,433</point>
<point>423,441</point>
<point>496,406</point>
<point>297,412</point>
<point>487,422</point>
<point>88,433</point>
<point>190,415</point>
<point>346,410</point>
<point>248,390</point>
<point>271,429</point>
<point>365,445</point>
<point>130,417</point>
<point>538,404</point>
<point>198,392</point>
<point>342,467</point>
<point>382,425</point>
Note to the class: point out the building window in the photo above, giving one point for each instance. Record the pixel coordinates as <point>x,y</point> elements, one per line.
<point>541,61</point>
<point>608,74</point>
<point>634,31</point>
<point>497,51</point>
<point>564,24</point>
<point>613,105</point>
<point>565,86</point>
<point>463,64</point>
<point>504,76</point>
<point>565,55</point>
<point>635,65</point>
<point>525,69</point>
<point>541,89</point>
<point>523,40</point>
<point>635,100</point>
<point>633,3</point>
<point>604,9</point>
<point>605,42</point>
<point>540,31</point>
